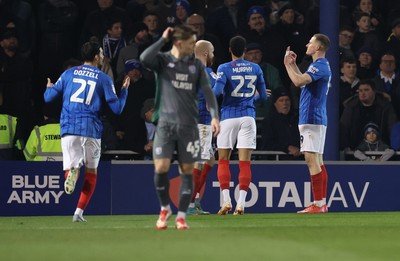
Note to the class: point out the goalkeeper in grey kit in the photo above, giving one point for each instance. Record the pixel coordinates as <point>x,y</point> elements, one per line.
<point>179,76</point>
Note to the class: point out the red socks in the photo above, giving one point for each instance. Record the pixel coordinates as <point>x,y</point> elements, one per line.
<point>224,174</point>
<point>325,180</point>
<point>244,175</point>
<point>317,186</point>
<point>87,190</point>
<point>196,181</point>
<point>203,177</point>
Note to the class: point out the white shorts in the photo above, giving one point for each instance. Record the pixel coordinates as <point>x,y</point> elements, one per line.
<point>78,151</point>
<point>205,135</point>
<point>243,130</point>
<point>312,138</point>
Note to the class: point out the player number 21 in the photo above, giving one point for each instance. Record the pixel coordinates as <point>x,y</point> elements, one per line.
<point>82,82</point>
<point>236,92</point>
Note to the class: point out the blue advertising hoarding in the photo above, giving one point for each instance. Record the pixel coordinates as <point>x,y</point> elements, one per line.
<point>124,188</point>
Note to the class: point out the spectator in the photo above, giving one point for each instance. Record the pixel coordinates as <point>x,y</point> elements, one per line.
<point>366,68</point>
<point>366,106</point>
<point>376,19</point>
<point>10,145</point>
<point>393,41</point>
<point>280,131</point>
<point>271,75</point>
<point>196,21</point>
<point>372,143</point>
<point>136,46</point>
<point>136,8</point>
<point>364,36</point>
<point>147,114</point>
<point>16,83</point>
<point>182,11</point>
<point>150,18</point>
<point>293,33</point>
<point>224,22</point>
<point>24,24</point>
<point>388,80</point>
<point>96,22</point>
<point>346,35</point>
<point>165,11</point>
<point>348,81</point>
<point>130,125</point>
<point>113,42</point>
<point>57,38</point>
<point>44,143</point>
<point>105,66</point>
<point>270,40</point>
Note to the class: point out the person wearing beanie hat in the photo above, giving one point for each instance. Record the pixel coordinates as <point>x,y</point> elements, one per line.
<point>366,66</point>
<point>131,65</point>
<point>256,9</point>
<point>139,42</point>
<point>284,8</point>
<point>280,130</point>
<point>271,41</point>
<point>372,143</point>
<point>271,74</point>
<point>138,28</point>
<point>182,11</point>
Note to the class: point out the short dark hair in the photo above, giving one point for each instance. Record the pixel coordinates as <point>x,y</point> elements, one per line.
<point>89,50</point>
<point>182,32</point>
<point>368,82</point>
<point>347,59</point>
<point>324,40</point>
<point>111,21</point>
<point>237,45</point>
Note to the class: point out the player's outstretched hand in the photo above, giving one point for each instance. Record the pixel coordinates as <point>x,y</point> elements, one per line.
<point>215,126</point>
<point>49,83</point>
<point>127,82</point>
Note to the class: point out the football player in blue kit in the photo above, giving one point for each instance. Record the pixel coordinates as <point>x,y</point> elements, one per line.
<point>241,83</point>
<point>83,89</point>
<point>313,121</point>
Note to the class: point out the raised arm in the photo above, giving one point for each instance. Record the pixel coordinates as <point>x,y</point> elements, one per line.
<point>298,78</point>
<point>148,57</point>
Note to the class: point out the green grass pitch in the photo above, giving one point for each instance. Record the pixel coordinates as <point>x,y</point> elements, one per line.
<point>332,236</point>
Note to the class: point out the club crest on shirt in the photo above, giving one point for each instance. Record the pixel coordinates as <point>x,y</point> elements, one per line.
<point>192,69</point>
<point>171,65</point>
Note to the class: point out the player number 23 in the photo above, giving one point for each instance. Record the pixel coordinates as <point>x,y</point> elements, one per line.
<point>236,92</point>
<point>83,83</point>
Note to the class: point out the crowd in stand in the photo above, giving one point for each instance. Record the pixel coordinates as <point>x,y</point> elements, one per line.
<point>40,39</point>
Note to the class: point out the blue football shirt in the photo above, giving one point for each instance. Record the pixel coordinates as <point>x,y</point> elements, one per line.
<point>84,88</point>
<point>313,95</point>
<point>238,81</point>
<point>204,114</point>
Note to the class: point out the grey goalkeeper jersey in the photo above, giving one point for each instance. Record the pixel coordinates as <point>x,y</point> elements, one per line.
<point>178,82</point>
